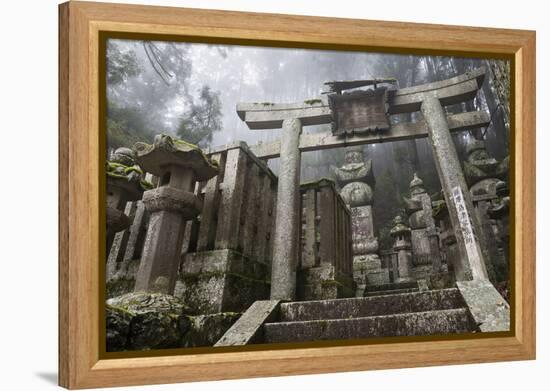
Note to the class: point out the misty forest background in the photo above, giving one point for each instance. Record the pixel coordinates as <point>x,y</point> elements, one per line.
<point>190,91</point>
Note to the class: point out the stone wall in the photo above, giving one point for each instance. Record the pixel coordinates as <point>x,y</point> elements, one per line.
<point>227,249</point>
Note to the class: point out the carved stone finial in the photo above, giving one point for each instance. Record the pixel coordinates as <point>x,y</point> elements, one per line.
<point>399,227</point>
<point>123,156</point>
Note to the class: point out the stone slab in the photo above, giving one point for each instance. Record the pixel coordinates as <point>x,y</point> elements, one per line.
<point>488,308</point>
<point>442,322</point>
<point>249,326</point>
<point>372,306</point>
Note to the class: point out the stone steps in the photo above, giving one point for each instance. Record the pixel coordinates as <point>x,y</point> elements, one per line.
<point>390,286</point>
<point>390,292</point>
<point>361,307</point>
<point>437,322</point>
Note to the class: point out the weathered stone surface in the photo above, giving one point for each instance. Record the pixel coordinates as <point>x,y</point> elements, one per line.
<point>160,257</point>
<point>357,180</point>
<point>179,165</point>
<point>489,309</point>
<point>402,246</point>
<point>248,329</point>
<point>166,151</point>
<point>268,115</point>
<point>391,286</point>
<point>170,199</point>
<point>285,246</point>
<point>372,306</point>
<point>362,223</point>
<point>220,281</point>
<point>397,132</point>
<point>118,327</point>
<point>125,183</point>
<point>450,91</point>
<point>323,282</point>
<point>118,286</point>
<point>367,270</point>
<point>360,111</point>
<point>461,210</point>
<point>153,320</point>
<point>355,168</point>
<point>357,194</point>
<point>205,330</point>
<point>146,321</point>
<point>413,324</point>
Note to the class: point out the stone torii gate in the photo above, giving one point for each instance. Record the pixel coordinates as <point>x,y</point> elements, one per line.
<point>430,99</point>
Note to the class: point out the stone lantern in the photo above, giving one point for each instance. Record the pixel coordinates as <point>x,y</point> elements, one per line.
<point>402,246</point>
<point>124,184</point>
<point>179,165</point>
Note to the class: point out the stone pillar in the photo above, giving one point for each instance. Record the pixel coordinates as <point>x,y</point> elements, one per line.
<point>287,223</point>
<point>124,184</point>
<point>356,179</point>
<point>402,246</point>
<point>461,209</point>
<point>179,166</point>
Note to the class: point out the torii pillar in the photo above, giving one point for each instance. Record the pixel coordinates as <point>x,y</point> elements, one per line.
<point>457,194</point>
<point>291,118</point>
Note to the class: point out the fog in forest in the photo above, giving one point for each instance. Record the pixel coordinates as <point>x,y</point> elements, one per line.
<point>190,91</point>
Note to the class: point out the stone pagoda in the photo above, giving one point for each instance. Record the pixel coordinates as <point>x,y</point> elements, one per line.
<point>424,238</point>
<point>356,180</point>
<point>483,175</point>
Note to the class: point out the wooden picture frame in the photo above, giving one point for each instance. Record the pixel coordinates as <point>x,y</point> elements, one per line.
<point>80,161</point>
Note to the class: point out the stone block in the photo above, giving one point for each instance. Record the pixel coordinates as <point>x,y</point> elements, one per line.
<point>248,329</point>
<point>221,281</point>
<point>488,308</point>
<point>441,322</point>
<point>323,282</point>
<point>367,270</point>
<point>146,321</point>
<point>371,306</point>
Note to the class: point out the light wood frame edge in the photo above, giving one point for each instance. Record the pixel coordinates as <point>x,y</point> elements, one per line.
<point>79,364</point>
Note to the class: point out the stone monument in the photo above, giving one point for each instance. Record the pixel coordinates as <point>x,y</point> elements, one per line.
<point>424,237</point>
<point>356,179</point>
<point>483,174</point>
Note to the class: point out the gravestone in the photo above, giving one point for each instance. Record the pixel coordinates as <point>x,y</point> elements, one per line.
<point>356,179</point>
<point>424,237</point>
<point>483,174</point>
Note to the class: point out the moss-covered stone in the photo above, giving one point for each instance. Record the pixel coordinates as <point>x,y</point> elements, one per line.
<point>147,321</point>
<point>119,286</point>
<point>118,326</point>
<point>153,320</point>
<point>312,101</point>
<point>205,330</point>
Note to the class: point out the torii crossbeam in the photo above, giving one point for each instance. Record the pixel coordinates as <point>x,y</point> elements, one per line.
<point>429,99</point>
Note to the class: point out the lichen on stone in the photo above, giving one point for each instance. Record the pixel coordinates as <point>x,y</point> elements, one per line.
<point>312,101</point>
